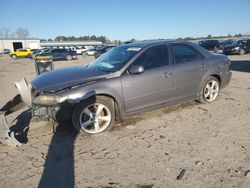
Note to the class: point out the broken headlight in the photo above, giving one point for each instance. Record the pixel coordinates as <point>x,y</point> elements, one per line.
<point>46,100</point>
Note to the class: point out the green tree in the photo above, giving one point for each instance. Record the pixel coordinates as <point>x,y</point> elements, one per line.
<point>209,36</point>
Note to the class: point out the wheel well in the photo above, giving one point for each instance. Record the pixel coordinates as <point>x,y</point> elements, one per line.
<point>218,77</point>
<point>116,106</point>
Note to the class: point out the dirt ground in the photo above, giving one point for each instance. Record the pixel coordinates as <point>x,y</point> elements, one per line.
<point>208,143</point>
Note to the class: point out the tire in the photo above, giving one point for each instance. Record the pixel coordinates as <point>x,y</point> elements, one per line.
<point>69,57</point>
<point>13,56</point>
<point>216,49</point>
<point>84,115</point>
<point>241,52</point>
<point>84,54</point>
<point>208,93</point>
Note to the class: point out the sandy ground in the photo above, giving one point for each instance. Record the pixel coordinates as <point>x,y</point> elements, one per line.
<point>209,143</point>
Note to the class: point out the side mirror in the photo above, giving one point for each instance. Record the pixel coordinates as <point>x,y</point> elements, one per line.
<point>136,69</point>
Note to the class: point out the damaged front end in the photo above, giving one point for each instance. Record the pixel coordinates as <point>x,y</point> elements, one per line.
<point>51,97</point>
<point>44,108</point>
<point>7,137</point>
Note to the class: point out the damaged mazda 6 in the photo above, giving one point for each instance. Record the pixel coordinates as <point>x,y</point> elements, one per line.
<point>128,79</point>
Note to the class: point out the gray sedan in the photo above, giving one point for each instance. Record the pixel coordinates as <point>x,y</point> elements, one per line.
<point>126,80</point>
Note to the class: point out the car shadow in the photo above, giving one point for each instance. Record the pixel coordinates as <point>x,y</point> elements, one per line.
<point>242,66</point>
<point>59,164</point>
<point>21,126</point>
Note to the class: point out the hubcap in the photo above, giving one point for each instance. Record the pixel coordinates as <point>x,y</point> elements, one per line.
<point>211,90</point>
<point>95,118</point>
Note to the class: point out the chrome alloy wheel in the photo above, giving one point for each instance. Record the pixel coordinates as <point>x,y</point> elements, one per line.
<point>95,118</point>
<point>211,91</point>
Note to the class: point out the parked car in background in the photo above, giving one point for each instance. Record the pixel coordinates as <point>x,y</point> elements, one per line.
<point>225,43</point>
<point>72,48</point>
<point>21,53</point>
<point>90,52</point>
<point>129,79</point>
<point>238,47</point>
<point>211,45</point>
<point>60,54</point>
<point>5,51</point>
<point>43,50</point>
<point>34,52</point>
<point>79,51</point>
<point>102,50</point>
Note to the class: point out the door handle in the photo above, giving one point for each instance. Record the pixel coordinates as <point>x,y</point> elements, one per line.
<point>204,65</point>
<point>166,74</point>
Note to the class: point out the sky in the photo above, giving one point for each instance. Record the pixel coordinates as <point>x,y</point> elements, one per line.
<point>127,19</point>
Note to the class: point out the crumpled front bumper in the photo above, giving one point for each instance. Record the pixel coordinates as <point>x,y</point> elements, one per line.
<point>25,91</point>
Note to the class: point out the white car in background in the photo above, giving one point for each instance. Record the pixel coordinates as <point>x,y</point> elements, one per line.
<point>90,52</point>
<point>79,50</point>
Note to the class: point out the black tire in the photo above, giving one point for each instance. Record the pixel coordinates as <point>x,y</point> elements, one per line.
<point>69,57</point>
<point>13,56</point>
<point>241,51</point>
<point>202,98</point>
<point>108,102</point>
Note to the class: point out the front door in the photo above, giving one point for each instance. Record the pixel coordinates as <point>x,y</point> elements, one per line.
<point>152,87</point>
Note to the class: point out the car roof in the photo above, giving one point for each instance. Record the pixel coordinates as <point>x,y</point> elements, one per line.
<point>149,43</point>
<point>146,43</point>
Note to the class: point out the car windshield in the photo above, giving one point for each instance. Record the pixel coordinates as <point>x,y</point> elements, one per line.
<point>115,59</point>
<point>239,42</point>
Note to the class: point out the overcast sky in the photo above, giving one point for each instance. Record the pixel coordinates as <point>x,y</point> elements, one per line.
<point>126,19</point>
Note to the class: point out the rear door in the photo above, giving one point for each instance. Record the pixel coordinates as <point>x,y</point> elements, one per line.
<point>189,68</point>
<point>248,47</point>
<point>55,54</point>
<point>63,53</point>
<point>152,87</point>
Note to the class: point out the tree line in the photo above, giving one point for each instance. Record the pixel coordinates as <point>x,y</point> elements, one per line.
<point>102,39</point>
<point>20,32</point>
<point>214,37</point>
<point>24,33</point>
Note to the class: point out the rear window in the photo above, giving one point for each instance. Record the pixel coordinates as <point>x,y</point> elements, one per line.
<point>183,53</point>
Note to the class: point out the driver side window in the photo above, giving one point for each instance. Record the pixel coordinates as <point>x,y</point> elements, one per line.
<point>154,57</point>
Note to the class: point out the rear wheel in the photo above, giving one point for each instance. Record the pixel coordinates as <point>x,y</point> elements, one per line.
<point>209,90</point>
<point>242,51</point>
<point>13,56</point>
<point>69,57</point>
<point>94,115</point>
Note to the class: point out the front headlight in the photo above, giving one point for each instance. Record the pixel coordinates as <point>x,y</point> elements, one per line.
<point>45,100</point>
<point>237,48</point>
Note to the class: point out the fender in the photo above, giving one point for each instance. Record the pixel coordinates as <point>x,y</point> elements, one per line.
<point>209,73</point>
<point>110,87</point>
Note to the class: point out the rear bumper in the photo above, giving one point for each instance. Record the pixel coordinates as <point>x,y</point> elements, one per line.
<point>226,79</point>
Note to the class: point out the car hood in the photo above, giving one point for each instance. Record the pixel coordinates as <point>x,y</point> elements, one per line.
<point>65,77</point>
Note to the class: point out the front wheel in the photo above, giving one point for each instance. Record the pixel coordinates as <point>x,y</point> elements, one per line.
<point>216,49</point>
<point>94,115</point>
<point>209,90</point>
